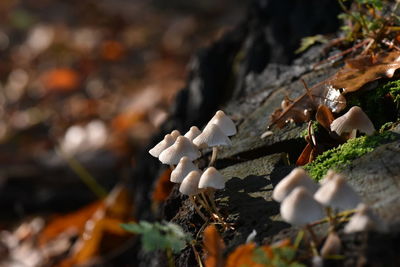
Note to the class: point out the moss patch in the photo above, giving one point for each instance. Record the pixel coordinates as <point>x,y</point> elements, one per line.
<point>341,156</point>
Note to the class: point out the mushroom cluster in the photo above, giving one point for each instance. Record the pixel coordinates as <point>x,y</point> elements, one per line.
<point>182,151</point>
<point>303,201</point>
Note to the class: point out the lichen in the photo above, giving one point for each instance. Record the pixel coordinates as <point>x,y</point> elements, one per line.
<point>340,157</point>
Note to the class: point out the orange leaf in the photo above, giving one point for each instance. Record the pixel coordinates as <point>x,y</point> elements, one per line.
<point>75,220</point>
<point>163,186</point>
<point>63,79</point>
<point>304,157</point>
<point>243,255</point>
<point>324,117</point>
<point>214,247</point>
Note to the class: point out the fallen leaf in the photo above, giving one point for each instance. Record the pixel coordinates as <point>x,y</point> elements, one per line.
<point>214,247</point>
<point>243,255</point>
<point>305,156</point>
<point>163,187</point>
<point>112,50</point>
<point>359,71</point>
<point>324,117</point>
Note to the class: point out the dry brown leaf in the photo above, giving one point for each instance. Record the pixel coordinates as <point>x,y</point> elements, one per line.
<point>103,233</point>
<point>243,255</point>
<point>163,186</point>
<point>112,50</point>
<point>75,220</point>
<point>305,156</point>
<point>214,247</point>
<point>359,71</point>
<point>324,117</point>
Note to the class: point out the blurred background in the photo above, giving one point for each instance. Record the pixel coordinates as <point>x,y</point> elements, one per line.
<point>83,86</point>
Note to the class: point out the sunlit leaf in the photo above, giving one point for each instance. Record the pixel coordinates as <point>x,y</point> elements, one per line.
<point>214,247</point>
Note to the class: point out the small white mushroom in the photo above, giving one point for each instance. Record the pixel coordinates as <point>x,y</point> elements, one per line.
<point>211,178</point>
<point>338,194</point>
<point>354,119</point>
<point>224,122</point>
<point>192,133</point>
<point>184,167</point>
<point>299,208</point>
<point>182,147</point>
<point>161,146</point>
<point>328,176</point>
<point>190,185</point>
<point>298,177</point>
<point>212,136</point>
<point>175,134</point>
<point>364,220</point>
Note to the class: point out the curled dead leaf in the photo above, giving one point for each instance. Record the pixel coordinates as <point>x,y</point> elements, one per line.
<point>214,247</point>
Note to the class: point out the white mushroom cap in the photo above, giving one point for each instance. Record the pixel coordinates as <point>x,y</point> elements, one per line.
<point>300,208</point>
<point>192,133</point>
<point>190,185</point>
<point>337,193</point>
<point>330,174</point>
<point>182,147</point>
<point>354,119</point>
<point>364,220</point>
<point>175,134</point>
<point>212,136</point>
<point>211,178</point>
<point>184,167</point>
<point>161,146</point>
<point>224,122</point>
<point>298,177</point>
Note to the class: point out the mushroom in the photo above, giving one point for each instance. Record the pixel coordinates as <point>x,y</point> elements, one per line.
<point>298,177</point>
<point>192,133</point>
<point>338,194</point>
<point>353,120</point>
<point>161,146</point>
<point>224,122</point>
<point>189,187</point>
<point>210,180</point>
<point>364,220</point>
<point>212,136</point>
<point>299,208</point>
<point>182,147</point>
<point>175,134</point>
<point>184,167</point>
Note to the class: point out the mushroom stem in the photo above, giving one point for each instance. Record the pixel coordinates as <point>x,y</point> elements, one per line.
<point>213,156</point>
<point>331,219</point>
<point>192,199</point>
<point>210,194</point>
<point>314,240</point>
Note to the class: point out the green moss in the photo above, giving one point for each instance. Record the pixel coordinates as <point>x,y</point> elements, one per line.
<point>341,156</point>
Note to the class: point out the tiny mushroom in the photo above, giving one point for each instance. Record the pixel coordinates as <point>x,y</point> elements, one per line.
<point>184,167</point>
<point>190,185</point>
<point>338,194</point>
<point>175,134</point>
<point>182,147</point>
<point>224,122</point>
<point>299,208</point>
<point>353,120</point>
<point>364,220</point>
<point>161,146</point>
<point>298,177</point>
<point>192,133</point>
<point>212,136</point>
<point>211,178</point>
